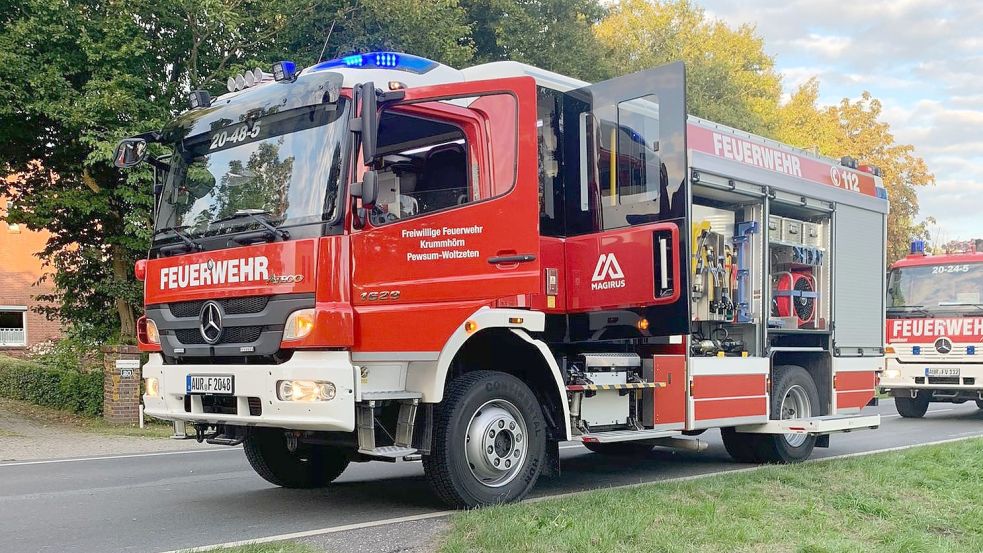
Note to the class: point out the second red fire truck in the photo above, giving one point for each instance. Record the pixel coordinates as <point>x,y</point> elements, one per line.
<point>384,258</point>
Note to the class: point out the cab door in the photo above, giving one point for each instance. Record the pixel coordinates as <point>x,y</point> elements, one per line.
<point>456,223</point>
<point>627,207</point>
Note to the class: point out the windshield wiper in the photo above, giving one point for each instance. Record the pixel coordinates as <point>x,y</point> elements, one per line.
<point>178,231</point>
<point>919,309</point>
<point>960,304</point>
<point>259,216</point>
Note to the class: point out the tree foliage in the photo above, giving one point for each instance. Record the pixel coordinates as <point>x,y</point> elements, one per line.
<point>729,77</point>
<point>855,128</point>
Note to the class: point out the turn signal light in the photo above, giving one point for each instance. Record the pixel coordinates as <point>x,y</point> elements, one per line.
<point>642,324</point>
<point>470,326</point>
<point>889,350</point>
<point>305,390</point>
<point>151,386</point>
<point>153,336</point>
<point>300,323</point>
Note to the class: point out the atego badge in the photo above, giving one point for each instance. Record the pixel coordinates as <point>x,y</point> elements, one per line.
<point>607,273</point>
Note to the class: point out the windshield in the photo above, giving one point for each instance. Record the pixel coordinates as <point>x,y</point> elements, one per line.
<point>287,165</point>
<point>936,287</point>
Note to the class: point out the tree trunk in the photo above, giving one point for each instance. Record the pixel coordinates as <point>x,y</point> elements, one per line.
<point>127,317</point>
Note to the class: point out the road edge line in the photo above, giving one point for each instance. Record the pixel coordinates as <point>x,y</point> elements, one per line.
<point>441,514</point>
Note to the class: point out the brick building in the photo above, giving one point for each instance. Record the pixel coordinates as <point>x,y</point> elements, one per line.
<point>20,326</point>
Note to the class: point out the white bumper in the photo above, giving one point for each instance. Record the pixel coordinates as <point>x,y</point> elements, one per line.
<point>260,381</point>
<point>898,376</point>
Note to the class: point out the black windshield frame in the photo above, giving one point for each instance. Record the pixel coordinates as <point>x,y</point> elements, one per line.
<point>328,123</point>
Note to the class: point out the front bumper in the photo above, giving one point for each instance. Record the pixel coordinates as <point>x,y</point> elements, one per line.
<point>260,381</point>
<point>913,376</point>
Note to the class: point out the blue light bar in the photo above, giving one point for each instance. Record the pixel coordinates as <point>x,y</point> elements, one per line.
<point>881,193</point>
<point>918,247</point>
<point>380,60</point>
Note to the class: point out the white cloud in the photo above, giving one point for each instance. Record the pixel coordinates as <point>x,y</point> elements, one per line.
<point>922,58</point>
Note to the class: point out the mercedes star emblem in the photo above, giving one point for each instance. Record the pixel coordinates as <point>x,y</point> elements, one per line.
<point>943,345</point>
<point>211,322</point>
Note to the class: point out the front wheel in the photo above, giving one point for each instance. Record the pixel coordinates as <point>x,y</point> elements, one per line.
<point>489,441</point>
<point>309,466</point>
<point>912,407</point>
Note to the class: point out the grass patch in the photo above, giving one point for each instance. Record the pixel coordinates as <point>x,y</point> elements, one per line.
<point>277,547</point>
<point>49,416</point>
<point>920,500</point>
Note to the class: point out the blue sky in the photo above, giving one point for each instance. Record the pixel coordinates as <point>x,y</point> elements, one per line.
<point>922,58</point>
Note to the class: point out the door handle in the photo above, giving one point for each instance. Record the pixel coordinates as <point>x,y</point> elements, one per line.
<point>507,259</point>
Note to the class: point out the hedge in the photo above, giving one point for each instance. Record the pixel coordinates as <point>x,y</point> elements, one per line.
<point>61,388</point>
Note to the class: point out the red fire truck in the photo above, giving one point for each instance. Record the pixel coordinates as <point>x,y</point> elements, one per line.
<point>384,258</point>
<point>934,329</point>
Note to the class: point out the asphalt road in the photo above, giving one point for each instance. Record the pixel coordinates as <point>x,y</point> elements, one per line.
<point>160,502</point>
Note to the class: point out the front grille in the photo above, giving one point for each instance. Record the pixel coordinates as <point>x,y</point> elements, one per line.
<point>231,335</point>
<point>223,405</point>
<point>232,306</point>
<point>943,380</point>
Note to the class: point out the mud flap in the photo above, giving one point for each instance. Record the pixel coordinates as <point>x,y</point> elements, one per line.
<point>822,440</point>
<point>552,466</point>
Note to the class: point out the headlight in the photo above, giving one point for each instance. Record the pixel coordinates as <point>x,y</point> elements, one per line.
<point>299,324</point>
<point>891,374</point>
<point>153,336</point>
<point>151,386</point>
<point>305,390</point>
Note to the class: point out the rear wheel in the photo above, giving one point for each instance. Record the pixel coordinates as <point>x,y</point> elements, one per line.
<point>979,404</point>
<point>619,449</point>
<point>489,441</point>
<point>741,447</point>
<point>794,396</point>
<point>309,466</point>
<point>912,407</point>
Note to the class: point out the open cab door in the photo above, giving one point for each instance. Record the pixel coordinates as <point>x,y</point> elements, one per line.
<point>455,224</point>
<point>627,201</point>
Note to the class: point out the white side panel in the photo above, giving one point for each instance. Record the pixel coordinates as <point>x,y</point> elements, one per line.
<point>858,280</point>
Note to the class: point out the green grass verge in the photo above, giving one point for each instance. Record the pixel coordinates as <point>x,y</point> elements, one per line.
<point>278,547</point>
<point>49,416</point>
<point>920,500</point>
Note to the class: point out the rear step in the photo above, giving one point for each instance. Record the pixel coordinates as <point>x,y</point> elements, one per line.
<point>625,436</point>
<point>393,452</point>
<point>814,425</point>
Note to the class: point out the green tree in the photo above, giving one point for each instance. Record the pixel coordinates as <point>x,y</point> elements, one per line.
<point>729,77</point>
<point>552,34</point>
<point>855,128</point>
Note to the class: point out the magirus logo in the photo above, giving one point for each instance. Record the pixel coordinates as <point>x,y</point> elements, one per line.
<point>607,273</point>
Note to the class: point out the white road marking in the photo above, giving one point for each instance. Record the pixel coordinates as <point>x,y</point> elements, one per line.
<point>439,514</point>
<point>107,457</point>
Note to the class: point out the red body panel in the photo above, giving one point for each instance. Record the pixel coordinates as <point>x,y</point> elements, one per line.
<point>616,269</point>
<point>552,255</point>
<point>335,319</point>
<point>725,396</point>
<point>727,408</point>
<point>183,278</point>
<point>717,386</point>
<point>729,146</point>
<point>854,389</point>
<point>928,330</point>
<point>670,402</point>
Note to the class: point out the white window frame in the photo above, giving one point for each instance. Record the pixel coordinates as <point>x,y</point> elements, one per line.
<point>22,309</point>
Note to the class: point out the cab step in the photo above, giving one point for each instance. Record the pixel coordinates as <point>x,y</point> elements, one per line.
<point>391,452</point>
<point>626,436</point>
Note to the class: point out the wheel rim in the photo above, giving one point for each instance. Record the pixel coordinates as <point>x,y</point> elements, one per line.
<point>796,405</point>
<point>496,444</point>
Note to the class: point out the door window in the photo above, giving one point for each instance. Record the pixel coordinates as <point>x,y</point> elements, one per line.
<point>432,155</point>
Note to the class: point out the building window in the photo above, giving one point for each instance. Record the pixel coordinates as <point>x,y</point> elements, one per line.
<point>13,326</point>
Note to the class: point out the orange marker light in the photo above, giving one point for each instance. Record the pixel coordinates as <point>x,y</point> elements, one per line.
<point>470,326</point>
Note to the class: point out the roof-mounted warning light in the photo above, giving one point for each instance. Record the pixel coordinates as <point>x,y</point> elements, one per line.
<point>284,71</point>
<point>247,80</point>
<point>872,169</point>
<point>918,247</point>
<point>848,161</point>
<point>380,60</point>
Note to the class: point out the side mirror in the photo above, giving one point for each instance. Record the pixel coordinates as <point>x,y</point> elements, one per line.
<point>130,152</point>
<point>370,122</point>
<point>368,189</point>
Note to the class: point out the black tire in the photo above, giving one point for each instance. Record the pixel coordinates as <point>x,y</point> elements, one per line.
<point>476,401</point>
<point>979,404</point>
<point>912,407</point>
<point>777,448</point>
<point>743,448</point>
<point>311,466</point>
<point>620,449</point>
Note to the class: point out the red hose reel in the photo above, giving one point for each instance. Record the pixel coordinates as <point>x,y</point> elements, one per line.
<point>795,296</point>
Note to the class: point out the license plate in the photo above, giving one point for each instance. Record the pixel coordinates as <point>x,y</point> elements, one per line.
<point>221,385</point>
<point>942,372</point>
